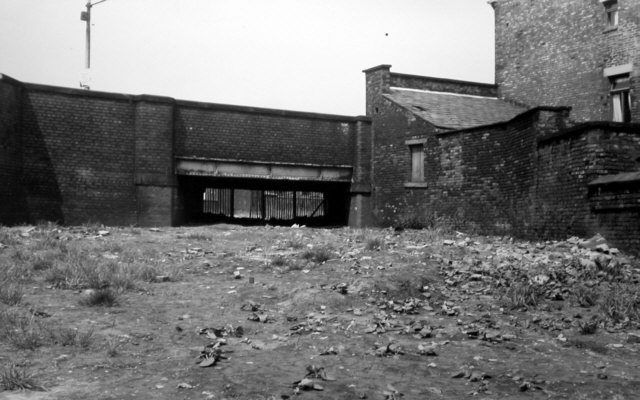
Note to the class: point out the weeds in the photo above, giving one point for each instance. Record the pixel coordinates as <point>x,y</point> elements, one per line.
<point>318,254</point>
<point>279,261</point>
<point>66,336</point>
<point>100,297</point>
<point>522,295</point>
<point>8,237</point>
<point>592,345</point>
<point>588,327</point>
<point>621,303</point>
<point>23,332</point>
<point>585,296</point>
<point>134,231</point>
<point>199,236</point>
<point>295,243</point>
<point>15,378</point>
<point>42,264</point>
<point>11,294</point>
<point>80,272</point>
<point>112,347</point>
<point>85,339</point>
<point>147,274</point>
<point>375,243</point>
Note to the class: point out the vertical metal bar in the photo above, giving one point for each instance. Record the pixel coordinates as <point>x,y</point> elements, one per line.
<point>295,204</point>
<point>88,43</point>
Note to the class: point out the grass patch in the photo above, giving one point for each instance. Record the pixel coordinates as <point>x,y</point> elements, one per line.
<point>522,295</point>
<point>100,298</point>
<point>200,236</point>
<point>25,333</point>
<point>621,303</point>
<point>375,243</point>
<point>586,344</point>
<point>585,297</point>
<point>279,261</point>
<point>80,272</point>
<point>85,339</point>
<point>588,327</point>
<point>42,264</point>
<point>295,243</point>
<point>9,237</point>
<point>318,254</point>
<point>11,294</point>
<point>111,348</point>
<point>15,378</point>
<point>66,336</point>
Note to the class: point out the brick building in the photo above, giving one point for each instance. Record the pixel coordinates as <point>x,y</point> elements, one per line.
<point>552,149</point>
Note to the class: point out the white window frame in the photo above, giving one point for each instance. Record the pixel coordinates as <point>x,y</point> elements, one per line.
<point>612,14</point>
<point>621,98</point>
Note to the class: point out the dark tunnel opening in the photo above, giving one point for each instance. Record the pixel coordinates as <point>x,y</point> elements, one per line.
<point>209,200</point>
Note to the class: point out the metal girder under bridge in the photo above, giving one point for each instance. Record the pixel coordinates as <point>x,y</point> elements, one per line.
<point>262,170</point>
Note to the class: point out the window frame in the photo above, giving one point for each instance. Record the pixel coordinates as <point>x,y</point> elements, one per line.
<point>611,14</point>
<point>416,175</point>
<point>620,90</point>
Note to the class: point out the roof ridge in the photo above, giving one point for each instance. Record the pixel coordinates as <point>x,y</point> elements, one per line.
<point>447,93</point>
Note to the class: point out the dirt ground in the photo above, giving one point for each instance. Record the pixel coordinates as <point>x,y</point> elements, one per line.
<point>231,312</point>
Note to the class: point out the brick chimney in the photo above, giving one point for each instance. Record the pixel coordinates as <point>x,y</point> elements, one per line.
<point>378,80</point>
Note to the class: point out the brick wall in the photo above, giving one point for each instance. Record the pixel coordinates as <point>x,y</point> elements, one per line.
<point>11,195</point>
<point>616,209</point>
<point>567,201</point>
<point>78,156</point>
<point>553,53</point>
<point>244,133</point>
<point>442,85</point>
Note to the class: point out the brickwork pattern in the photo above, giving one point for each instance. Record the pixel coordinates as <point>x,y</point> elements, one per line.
<point>567,206</point>
<point>241,135</point>
<point>11,193</point>
<point>78,156</point>
<point>442,85</point>
<point>553,53</point>
<point>480,175</point>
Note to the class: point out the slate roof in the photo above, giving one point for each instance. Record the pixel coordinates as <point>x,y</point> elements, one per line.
<point>454,111</point>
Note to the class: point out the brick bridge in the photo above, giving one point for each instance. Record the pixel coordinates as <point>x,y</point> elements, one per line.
<point>74,156</point>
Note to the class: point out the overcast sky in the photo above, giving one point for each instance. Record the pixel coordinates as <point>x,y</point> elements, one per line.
<point>305,55</point>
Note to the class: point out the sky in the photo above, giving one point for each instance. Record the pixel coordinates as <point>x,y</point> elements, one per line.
<point>304,55</point>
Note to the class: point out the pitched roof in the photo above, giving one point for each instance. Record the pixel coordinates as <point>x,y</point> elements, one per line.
<point>452,110</point>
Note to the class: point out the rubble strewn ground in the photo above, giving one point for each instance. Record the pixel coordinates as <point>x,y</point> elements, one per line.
<point>230,312</point>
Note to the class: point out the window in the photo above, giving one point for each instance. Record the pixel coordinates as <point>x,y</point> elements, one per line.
<point>417,162</point>
<point>620,98</point>
<point>611,13</point>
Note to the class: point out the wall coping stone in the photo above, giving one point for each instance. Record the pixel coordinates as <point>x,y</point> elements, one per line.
<point>522,115</point>
<point>147,98</point>
<point>444,80</point>
<point>622,178</point>
<point>590,126</point>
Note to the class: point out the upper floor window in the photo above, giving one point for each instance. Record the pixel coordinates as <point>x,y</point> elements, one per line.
<point>620,98</point>
<point>611,13</point>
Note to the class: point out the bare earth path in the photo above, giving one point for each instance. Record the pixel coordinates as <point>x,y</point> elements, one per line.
<point>229,312</point>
